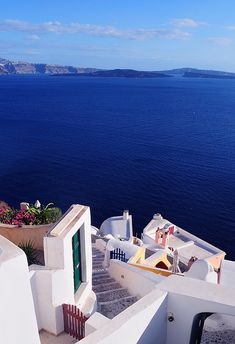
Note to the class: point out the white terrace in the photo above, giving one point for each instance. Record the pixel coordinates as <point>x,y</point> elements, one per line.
<point>185,243</point>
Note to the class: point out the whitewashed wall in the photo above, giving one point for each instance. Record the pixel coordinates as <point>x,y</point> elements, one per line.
<point>138,282</point>
<point>53,284</point>
<point>147,321</point>
<point>142,323</point>
<point>17,316</point>
<point>188,297</point>
<point>227,275</point>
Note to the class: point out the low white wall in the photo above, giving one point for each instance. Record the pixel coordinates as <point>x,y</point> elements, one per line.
<point>18,322</point>
<point>142,323</point>
<point>138,282</point>
<point>189,297</point>
<point>227,274</point>
<point>49,292</point>
<point>95,322</point>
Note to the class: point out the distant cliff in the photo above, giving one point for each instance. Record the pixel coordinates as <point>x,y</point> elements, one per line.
<point>18,67</point>
<point>10,67</point>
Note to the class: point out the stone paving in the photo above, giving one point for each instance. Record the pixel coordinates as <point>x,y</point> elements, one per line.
<point>219,328</point>
<point>112,299</point>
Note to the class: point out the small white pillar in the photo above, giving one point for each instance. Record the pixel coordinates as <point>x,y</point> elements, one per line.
<point>157,216</point>
<point>125,214</point>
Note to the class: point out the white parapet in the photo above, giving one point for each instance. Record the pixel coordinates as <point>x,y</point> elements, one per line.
<point>18,322</point>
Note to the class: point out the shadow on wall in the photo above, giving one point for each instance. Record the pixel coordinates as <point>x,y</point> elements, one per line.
<point>156,330</point>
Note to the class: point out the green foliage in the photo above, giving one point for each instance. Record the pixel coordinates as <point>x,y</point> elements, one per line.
<point>45,214</point>
<point>33,216</point>
<point>30,251</point>
<point>52,215</point>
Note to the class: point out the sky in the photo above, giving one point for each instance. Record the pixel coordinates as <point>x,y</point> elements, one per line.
<point>138,34</point>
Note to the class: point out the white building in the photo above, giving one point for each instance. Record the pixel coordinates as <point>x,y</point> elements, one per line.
<point>167,310</point>
<point>67,274</point>
<point>31,299</point>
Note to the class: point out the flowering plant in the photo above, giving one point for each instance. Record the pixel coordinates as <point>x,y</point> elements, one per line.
<point>34,215</point>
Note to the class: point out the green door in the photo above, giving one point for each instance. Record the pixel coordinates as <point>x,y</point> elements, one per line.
<point>76,260</point>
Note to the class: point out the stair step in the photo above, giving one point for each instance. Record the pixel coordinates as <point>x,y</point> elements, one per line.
<point>100,274</point>
<point>101,269</point>
<point>97,260</point>
<point>105,287</point>
<point>102,281</point>
<point>97,265</point>
<point>94,251</point>
<point>111,295</point>
<point>112,308</point>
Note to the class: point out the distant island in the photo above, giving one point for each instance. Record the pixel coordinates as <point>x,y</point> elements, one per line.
<point>8,67</point>
<point>124,73</point>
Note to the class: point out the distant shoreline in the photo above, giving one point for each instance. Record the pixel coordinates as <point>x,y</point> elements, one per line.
<point>8,67</point>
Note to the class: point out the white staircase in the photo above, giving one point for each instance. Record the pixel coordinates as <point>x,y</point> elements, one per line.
<point>112,299</point>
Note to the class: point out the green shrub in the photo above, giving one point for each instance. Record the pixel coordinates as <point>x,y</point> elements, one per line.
<point>51,215</point>
<point>30,251</point>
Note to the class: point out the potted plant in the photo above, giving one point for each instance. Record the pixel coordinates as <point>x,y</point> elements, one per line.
<point>30,222</point>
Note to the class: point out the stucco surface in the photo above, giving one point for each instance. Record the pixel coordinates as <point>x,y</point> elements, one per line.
<point>23,234</point>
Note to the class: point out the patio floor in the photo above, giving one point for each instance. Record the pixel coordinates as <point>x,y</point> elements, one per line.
<point>63,338</point>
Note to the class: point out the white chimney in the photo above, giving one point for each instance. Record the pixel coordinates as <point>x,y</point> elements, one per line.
<point>157,216</point>
<point>125,214</point>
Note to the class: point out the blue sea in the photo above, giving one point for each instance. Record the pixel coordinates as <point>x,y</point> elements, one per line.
<point>147,145</point>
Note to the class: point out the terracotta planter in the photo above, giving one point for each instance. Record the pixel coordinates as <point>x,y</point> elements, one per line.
<point>25,233</point>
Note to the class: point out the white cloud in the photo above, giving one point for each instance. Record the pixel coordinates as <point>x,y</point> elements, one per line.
<point>221,41</point>
<point>95,30</point>
<point>33,37</point>
<point>231,27</point>
<point>187,22</point>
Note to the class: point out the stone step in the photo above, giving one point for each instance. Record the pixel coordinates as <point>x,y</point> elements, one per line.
<point>112,308</point>
<point>97,266</point>
<point>105,287</point>
<point>97,259</point>
<point>100,274</point>
<point>95,251</point>
<point>112,295</point>
<point>97,263</point>
<point>100,270</point>
<point>98,281</point>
